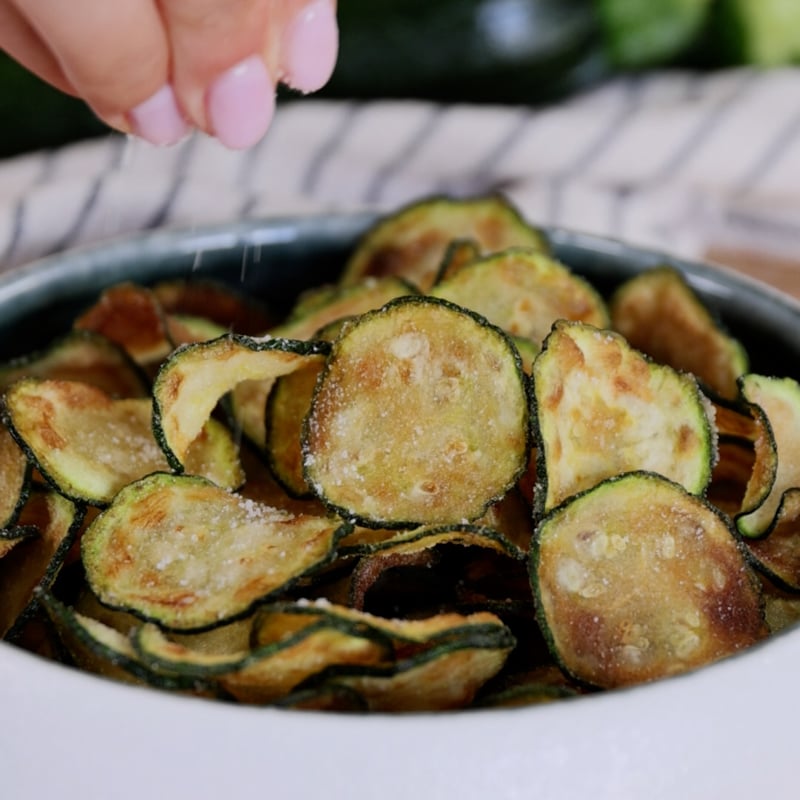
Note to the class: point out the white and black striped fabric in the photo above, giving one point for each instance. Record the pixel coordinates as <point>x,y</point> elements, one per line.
<point>670,160</point>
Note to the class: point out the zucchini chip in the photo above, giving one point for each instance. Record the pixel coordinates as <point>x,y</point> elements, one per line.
<point>288,648</point>
<point>180,551</point>
<point>215,302</point>
<point>444,678</point>
<point>459,253</point>
<point>15,479</point>
<point>192,380</point>
<point>103,650</point>
<point>131,316</point>
<point>84,356</point>
<point>314,314</point>
<point>524,292</point>
<point>781,606</point>
<point>660,314</point>
<point>636,579</point>
<point>604,409</point>
<point>420,417</point>
<point>423,548</point>
<point>338,303</point>
<point>323,698</point>
<point>731,475</point>
<point>189,330</point>
<point>34,563</point>
<point>777,552</point>
<point>776,404</point>
<point>286,409</point>
<point>88,445</point>
<point>446,674</point>
<point>11,537</point>
<point>412,242</point>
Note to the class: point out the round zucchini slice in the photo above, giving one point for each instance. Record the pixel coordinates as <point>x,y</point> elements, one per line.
<point>661,315</point>
<point>524,292</point>
<point>604,409</point>
<point>412,243</point>
<point>420,417</point>
<point>184,553</point>
<point>636,579</point>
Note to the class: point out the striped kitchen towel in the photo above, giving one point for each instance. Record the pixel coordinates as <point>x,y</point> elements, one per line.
<point>694,164</point>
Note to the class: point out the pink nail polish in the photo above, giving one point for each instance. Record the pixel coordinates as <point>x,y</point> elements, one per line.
<point>158,119</point>
<point>241,103</point>
<point>311,47</point>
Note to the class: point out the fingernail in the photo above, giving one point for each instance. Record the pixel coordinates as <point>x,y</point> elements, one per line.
<point>158,119</point>
<point>311,47</point>
<point>241,103</point>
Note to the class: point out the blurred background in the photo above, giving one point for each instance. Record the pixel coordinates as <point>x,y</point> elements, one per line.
<point>477,51</point>
<point>673,124</point>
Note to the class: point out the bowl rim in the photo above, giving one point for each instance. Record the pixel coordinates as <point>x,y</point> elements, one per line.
<point>613,744</point>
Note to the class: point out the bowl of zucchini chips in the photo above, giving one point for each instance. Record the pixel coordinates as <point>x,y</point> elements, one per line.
<point>519,506</point>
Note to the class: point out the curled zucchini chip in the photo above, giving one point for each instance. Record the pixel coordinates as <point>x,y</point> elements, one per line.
<point>776,404</point>
<point>288,648</point>
<point>11,537</point>
<point>591,558</point>
<point>88,445</point>
<point>443,678</point>
<point>341,302</point>
<point>604,409</point>
<point>286,409</point>
<point>15,478</point>
<point>84,356</point>
<point>103,650</point>
<point>444,674</point>
<point>323,698</point>
<point>131,316</point>
<point>420,416</point>
<point>459,253</point>
<point>195,377</point>
<point>660,314</point>
<point>314,313</point>
<point>180,551</point>
<point>412,242</point>
<point>34,563</point>
<point>778,551</point>
<point>215,302</point>
<point>465,534</point>
<point>189,330</point>
<point>735,420</point>
<point>524,292</point>
<point>732,472</point>
<point>422,547</point>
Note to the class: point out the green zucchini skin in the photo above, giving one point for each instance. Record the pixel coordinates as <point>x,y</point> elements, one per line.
<point>172,401</point>
<point>602,408</point>
<point>320,475</point>
<point>57,534</point>
<point>120,665</point>
<point>586,612</point>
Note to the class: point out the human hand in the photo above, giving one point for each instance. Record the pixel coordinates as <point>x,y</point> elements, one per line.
<point>158,68</point>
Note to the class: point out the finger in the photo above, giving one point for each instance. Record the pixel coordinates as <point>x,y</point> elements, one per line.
<point>24,45</point>
<point>309,46</point>
<point>116,57</point>
<point>230,54</point>
<point>223,84</point>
